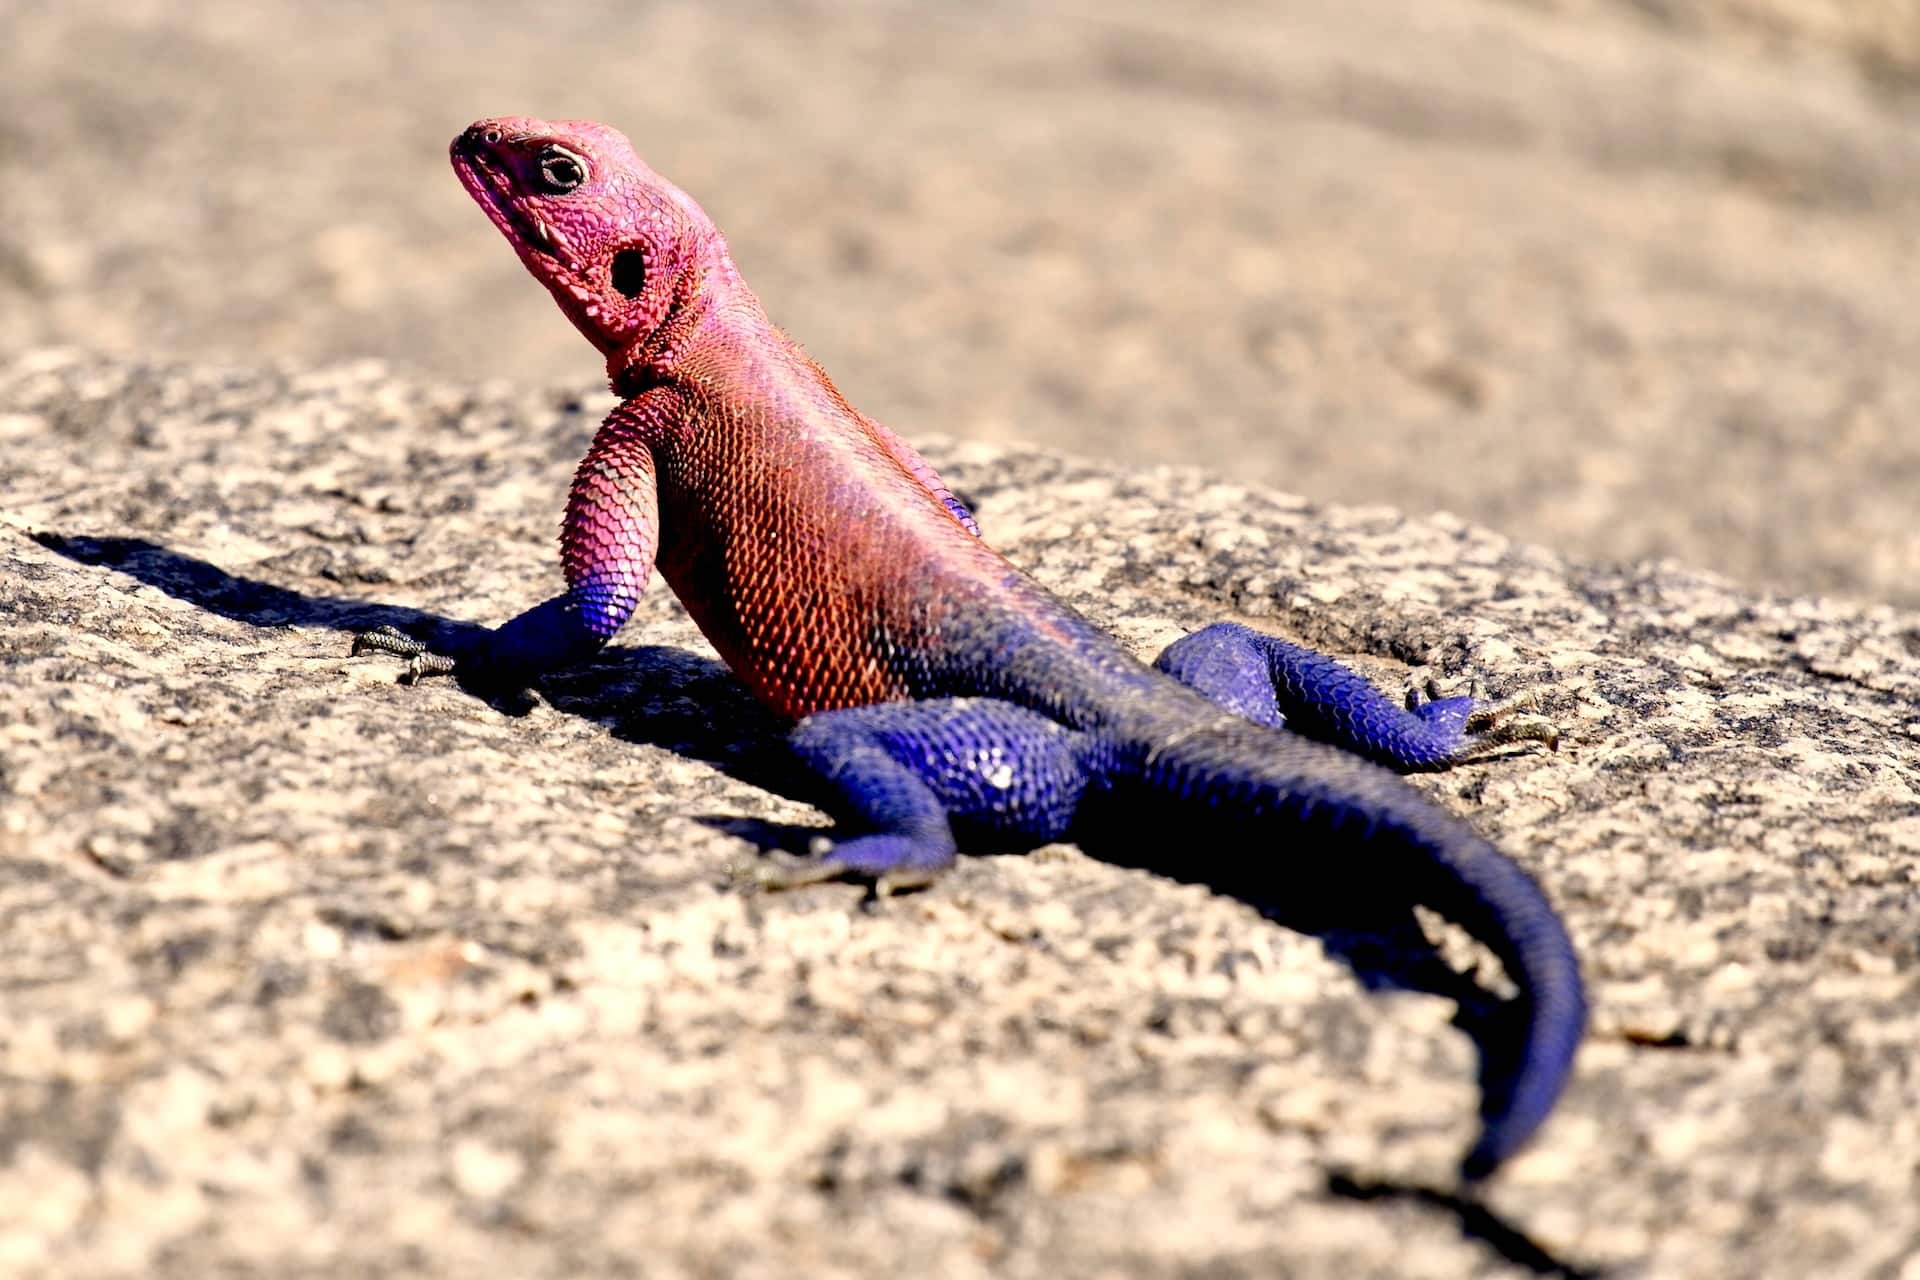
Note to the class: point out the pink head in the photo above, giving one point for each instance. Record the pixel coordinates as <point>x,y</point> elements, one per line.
<point>619,247</point>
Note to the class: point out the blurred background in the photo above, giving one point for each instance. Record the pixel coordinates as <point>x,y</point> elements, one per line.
<point>1625,277</point>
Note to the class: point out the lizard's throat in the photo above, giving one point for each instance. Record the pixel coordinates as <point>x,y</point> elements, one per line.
<point>652,359</point>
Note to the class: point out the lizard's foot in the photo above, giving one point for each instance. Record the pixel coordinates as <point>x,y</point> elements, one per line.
<point>1274,682</point>
<point>1480,724</point>
<point>889,863</point>
<point>503,660</point>
<point>421,662</point>
<point>468,654</point>
<point>901,774</point>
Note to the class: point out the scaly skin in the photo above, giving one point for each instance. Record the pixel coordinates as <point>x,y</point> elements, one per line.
<point>942,697</point>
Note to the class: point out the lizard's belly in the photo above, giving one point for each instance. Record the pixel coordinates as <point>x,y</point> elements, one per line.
<point>801,637</point>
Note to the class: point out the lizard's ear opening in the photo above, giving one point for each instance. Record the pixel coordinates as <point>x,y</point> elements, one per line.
<point>629,272</point>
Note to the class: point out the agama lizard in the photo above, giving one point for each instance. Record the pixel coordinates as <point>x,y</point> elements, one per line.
<point>942,698</point>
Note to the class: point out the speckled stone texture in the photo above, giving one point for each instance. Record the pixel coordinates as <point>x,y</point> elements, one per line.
<point>308,973</point>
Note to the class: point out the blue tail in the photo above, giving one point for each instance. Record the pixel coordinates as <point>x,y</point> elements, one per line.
<point>1341,820</point>
<point>1498,903</point>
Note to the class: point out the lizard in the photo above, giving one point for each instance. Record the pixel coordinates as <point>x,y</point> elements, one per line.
<point>940,698</point>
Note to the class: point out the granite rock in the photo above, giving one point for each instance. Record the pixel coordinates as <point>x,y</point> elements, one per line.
<point>311,973</point>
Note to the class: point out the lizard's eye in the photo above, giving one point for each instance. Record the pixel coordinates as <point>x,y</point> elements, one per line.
<point>561,171</point>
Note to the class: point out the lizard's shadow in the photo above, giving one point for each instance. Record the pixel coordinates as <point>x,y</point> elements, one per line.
<point>693,706</point>
<point>654,695</point>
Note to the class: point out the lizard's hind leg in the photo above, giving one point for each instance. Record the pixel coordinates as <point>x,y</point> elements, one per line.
<point>911,781</point>
<point>1271,682</point>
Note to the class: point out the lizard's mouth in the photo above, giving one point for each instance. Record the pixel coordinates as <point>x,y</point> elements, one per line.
<point>492,189</point>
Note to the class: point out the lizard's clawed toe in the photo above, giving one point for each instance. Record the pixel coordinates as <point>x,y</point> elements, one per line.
<point>1487,725</point>
<point>776,872</point>
<point>1512,720</point>
<point>851,861</point>
<point>421,662</point>
<point>1520,728</point>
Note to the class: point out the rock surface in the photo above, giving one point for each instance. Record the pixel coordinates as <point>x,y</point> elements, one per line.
<point>311,973</point>
<point>1624,277</point>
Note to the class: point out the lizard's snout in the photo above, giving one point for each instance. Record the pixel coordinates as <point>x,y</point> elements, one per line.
<point>478,138</point>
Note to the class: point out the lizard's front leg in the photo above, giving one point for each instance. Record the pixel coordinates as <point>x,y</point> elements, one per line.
<point>607,550</point>
<point>1271,682</point>
<point>911,781</point>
